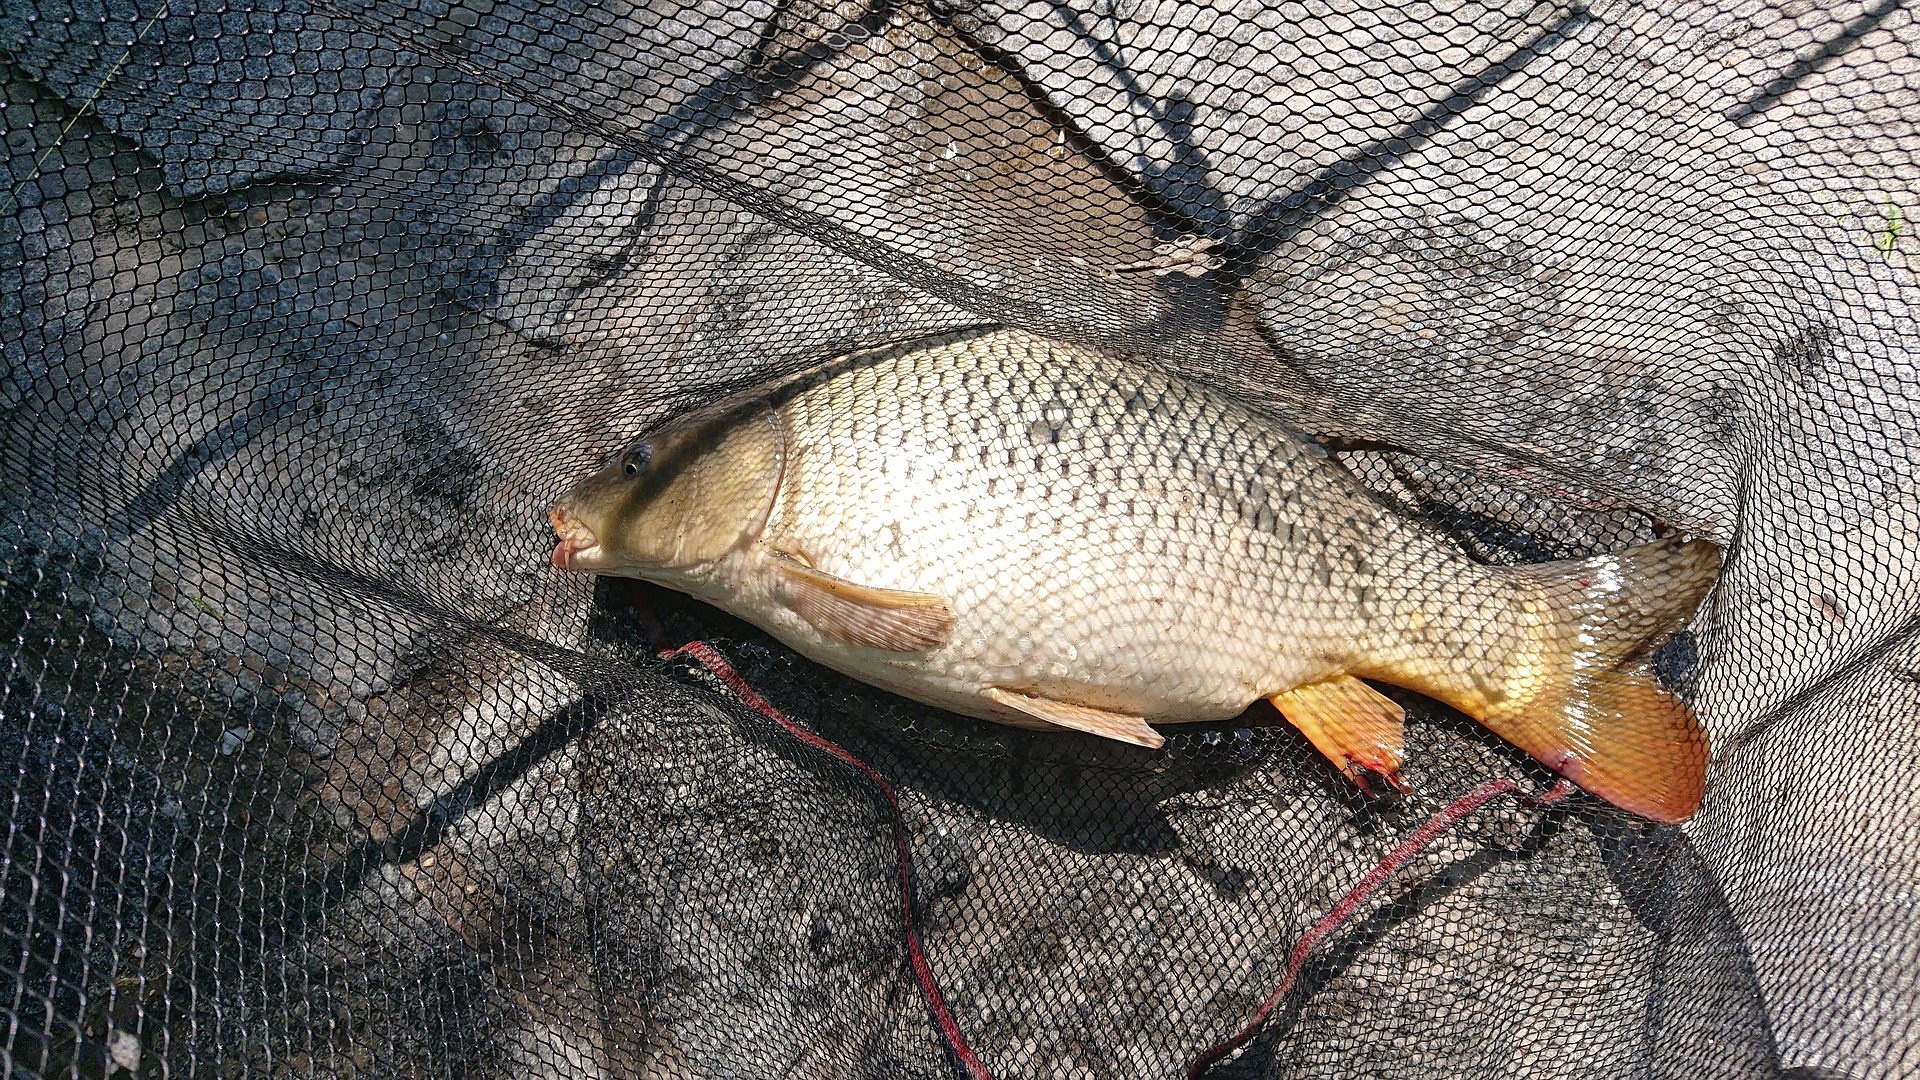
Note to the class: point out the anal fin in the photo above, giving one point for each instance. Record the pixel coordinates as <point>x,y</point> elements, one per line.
<point>1359,729</point>
<point>890,619</point>
<point>1108,725</point>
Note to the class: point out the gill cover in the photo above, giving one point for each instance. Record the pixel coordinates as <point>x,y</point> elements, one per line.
<point>698,487</point>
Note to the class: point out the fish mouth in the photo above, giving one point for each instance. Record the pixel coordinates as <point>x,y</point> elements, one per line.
<point>579,548</point>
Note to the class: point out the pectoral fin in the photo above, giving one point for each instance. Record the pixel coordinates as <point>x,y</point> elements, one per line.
<point>1109,725</point>
<point>1357,727</point>
<point>890,619</point>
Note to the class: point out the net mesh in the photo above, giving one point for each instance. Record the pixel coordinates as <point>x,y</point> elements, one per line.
<point>319,768</point>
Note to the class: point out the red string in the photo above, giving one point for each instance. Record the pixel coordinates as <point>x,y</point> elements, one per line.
<point>711,659</point>
<point>1401,854</point>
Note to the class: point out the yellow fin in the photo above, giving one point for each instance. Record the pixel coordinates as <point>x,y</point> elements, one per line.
<point>1617,734</point>
<point>1110,725</point>
<point>889,619</point>
<point>1594,713</point>
<point>1358,728</point>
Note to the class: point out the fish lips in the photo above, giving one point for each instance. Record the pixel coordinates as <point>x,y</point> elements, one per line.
<point>578,549</point>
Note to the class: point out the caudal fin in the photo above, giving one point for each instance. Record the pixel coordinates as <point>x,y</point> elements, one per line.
<point>1587,706</point>
<point>1618,735</point>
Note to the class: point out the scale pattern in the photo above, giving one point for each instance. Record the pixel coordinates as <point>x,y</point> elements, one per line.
<point>1107,536</point>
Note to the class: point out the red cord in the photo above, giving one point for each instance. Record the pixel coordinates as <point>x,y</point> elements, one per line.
<point>1401,854</point>
<point>709,658</point>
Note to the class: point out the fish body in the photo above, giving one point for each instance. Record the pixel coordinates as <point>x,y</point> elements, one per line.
<point>1042,534</point>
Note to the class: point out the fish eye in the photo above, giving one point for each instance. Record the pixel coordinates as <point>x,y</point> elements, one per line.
<point>637,458</point>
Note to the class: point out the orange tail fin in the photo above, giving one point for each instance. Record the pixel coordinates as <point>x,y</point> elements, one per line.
<point>1617,734</point>
<point>1588,707</point>
<point>1570,684</point>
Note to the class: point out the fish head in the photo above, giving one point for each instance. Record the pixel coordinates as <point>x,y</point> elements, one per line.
<point>675,501</point>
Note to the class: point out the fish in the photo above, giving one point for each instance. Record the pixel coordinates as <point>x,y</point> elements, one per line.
<point>1049,535</point>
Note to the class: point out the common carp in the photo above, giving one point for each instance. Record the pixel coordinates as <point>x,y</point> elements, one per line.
<point>1047,535</point>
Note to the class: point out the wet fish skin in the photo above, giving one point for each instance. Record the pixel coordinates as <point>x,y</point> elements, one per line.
<point>1042,534</point>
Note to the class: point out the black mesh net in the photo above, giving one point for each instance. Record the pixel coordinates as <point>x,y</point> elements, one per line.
<point>318,767</point>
